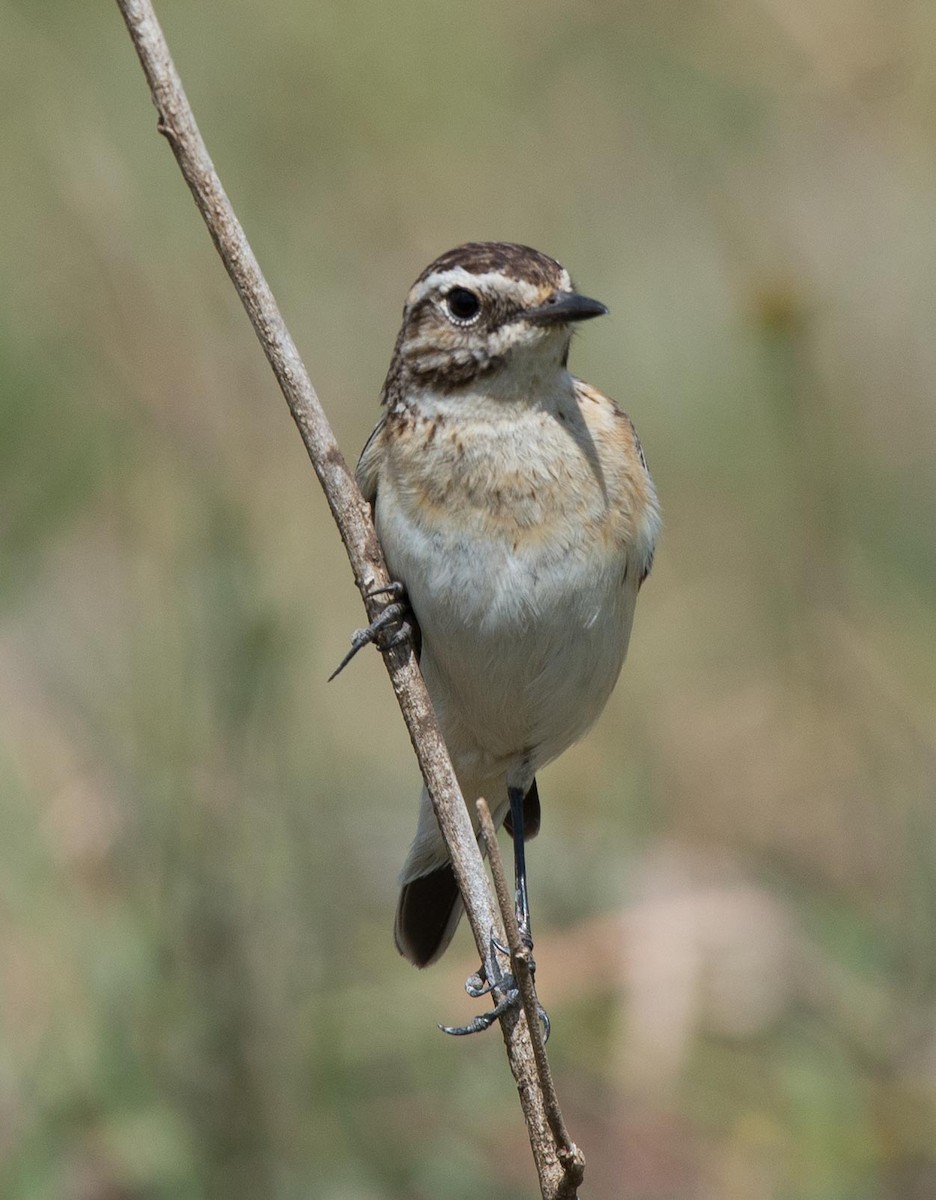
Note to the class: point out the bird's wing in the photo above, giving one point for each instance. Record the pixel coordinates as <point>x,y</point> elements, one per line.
<point>368,467</point>
<point>367,474</point>
<point>626,471</point>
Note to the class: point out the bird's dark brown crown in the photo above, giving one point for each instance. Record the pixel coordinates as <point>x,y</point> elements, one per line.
<point>509,258</point>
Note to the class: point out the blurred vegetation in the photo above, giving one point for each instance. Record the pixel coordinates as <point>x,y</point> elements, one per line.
<point>736,881</point>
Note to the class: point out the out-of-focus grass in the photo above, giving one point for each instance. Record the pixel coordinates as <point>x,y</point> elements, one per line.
<point>735,886</point>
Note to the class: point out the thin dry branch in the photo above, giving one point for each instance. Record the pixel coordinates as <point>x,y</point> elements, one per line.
<point>352,515</point>
<point>521,962</point>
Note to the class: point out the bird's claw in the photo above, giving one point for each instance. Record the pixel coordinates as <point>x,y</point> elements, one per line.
<point>396,615</point>
<point>484,1021</point>
<point>499,946</point>
<point>480,984</point>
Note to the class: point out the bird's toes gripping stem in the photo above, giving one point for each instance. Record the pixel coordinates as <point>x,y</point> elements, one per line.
<point>391,627</point>
<point>481,984</point>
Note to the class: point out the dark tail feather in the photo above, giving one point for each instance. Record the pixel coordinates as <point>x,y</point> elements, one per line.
<point>426,915</point>
<point>531,815</point>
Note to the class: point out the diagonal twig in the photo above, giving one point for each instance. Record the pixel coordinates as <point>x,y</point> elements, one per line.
<point>352,515</point>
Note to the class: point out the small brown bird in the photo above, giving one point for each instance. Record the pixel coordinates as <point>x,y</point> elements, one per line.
<point>514,504</point>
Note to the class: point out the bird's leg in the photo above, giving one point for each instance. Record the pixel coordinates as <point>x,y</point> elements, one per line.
<point>517,798</point>
<point>482,983</point>
<point>389,628</point>
<point>521,899</point>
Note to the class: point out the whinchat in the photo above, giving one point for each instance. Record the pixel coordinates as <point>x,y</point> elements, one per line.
<point>514,505</point>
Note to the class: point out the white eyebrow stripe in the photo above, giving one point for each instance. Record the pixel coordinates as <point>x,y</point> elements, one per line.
<point>528,294</point>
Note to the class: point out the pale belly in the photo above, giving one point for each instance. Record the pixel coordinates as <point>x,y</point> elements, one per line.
<point>522,643</point>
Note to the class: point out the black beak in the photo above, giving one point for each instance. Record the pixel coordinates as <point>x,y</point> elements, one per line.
<point>562,307</point>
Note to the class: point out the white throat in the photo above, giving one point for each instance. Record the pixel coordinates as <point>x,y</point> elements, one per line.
<point>527,371</point>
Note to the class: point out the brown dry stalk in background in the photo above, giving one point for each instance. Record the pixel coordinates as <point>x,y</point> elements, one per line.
<point>559,1163</point>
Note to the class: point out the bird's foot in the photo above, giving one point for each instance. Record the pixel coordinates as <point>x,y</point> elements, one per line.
<point>477,986</point>
<point>480,984</point>
<point>391,627</point>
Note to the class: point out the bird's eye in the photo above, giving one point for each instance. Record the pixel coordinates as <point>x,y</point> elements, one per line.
<point>463,305</point>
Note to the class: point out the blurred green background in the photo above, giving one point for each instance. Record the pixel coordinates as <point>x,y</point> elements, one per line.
<point>735,887</point>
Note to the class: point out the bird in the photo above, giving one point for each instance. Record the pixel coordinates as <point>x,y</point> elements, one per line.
<point>518,516</point>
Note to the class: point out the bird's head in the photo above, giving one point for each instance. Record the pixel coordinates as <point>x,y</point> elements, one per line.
<point>488,307</point>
